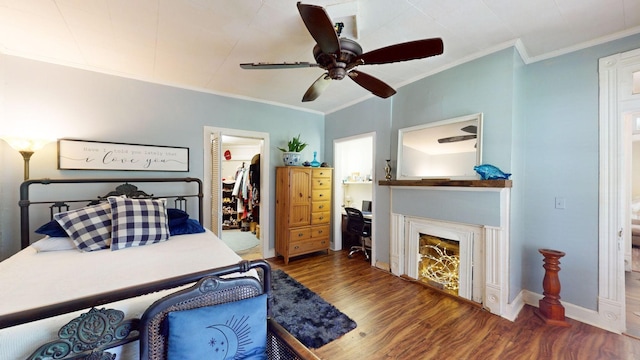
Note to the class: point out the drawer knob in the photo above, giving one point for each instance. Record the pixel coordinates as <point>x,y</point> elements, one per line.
<point>296,247</point>
<point>320,231</point>
<point>321,207</point>
<point>300,234</point>
<point>321,195</point>
<point>321,217</point>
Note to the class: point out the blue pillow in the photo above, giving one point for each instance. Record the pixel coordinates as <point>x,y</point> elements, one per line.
<point>53,229</point>
<point>190,226</point>
<point>235,330</point>
<point>176,216</point>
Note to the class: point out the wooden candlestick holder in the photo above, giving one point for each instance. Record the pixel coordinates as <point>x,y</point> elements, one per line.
<point>550,310</point>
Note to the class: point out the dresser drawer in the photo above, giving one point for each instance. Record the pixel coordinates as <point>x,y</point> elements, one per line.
<point>321,195</point>
<point>320,217</point>
<point>320,206</point>
<point>299,234</point>
<point>321,183</point>
<point>321,173</point>
<point>307,246</point>
<point>319,231</point>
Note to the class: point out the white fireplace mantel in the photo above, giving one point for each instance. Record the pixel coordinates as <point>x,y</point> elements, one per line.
<point>495,233</point>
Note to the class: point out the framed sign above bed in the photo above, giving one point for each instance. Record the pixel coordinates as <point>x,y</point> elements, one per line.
<point>97,155</point>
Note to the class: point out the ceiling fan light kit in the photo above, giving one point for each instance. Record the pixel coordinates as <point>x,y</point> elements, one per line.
<point>339,56</point>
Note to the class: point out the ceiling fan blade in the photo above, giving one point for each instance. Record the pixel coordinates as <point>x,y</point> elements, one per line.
<point>317,88</point>
<point>320,27</point>
<point>285,65</point>
<point>376,86</point>
<point>402,52</point>
<point>456,138</point>
<point>472,129</point>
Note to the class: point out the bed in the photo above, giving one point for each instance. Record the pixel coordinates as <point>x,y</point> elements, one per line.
<point>51,281</point>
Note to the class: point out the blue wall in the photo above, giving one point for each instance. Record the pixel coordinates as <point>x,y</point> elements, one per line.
<point>41,98</point>
<point>540,123</point>
<point>560,120</point>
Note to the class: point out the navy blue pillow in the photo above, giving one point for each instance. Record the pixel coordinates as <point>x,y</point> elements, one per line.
<point>176,216</point>
<point>235,330</point>
<point>190,226</point>
<point>53,229</point>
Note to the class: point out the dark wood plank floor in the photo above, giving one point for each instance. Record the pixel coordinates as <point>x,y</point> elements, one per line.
<point>399,319</point>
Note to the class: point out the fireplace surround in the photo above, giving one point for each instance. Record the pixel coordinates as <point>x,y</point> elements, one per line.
<point>475,211</point>
<point>468,241</point>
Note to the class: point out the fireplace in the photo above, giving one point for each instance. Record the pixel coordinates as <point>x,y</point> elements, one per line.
<point>475,218</point>
<point>439,263</point>
<point>445,255</point>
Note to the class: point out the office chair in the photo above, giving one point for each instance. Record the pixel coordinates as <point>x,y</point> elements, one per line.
<point>358,226</point>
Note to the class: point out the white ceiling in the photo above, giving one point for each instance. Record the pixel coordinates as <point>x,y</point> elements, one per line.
<point>198,44</point>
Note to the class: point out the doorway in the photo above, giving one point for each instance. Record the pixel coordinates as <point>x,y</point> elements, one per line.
<point>240,180</point>
<point>632,248</point>
<point>619,79</point>
<point>353,186</point>
<point>236,177</point>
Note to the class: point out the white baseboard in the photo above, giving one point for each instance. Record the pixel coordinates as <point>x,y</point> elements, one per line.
<point>512,310</point>
<point>574,312</point>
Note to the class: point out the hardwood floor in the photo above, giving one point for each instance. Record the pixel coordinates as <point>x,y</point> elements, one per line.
<point>400,319</point>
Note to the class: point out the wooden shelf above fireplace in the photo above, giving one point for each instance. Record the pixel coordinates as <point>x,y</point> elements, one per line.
<point>449,182</point>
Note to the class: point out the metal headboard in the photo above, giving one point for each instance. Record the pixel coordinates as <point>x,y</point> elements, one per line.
<point>25,202</point>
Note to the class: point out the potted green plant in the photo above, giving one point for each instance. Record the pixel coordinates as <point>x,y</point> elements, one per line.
<point>291,154</point>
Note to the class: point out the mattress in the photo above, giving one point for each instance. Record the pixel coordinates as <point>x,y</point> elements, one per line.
<point>31,279</point>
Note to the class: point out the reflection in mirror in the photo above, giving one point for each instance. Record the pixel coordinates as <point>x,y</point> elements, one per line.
<point>447,149</point>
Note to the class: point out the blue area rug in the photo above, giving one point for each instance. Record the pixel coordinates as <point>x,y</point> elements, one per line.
<point>239,240</point>
<point>305,314</point>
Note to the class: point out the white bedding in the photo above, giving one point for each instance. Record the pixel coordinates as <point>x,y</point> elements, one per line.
<point>30,279</point>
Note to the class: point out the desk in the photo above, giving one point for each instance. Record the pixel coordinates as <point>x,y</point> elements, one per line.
<point>349,240</point>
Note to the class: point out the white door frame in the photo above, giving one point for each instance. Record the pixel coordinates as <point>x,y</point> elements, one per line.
<point>616,99</point>
<point>337,190</point>
<point>265,202</point>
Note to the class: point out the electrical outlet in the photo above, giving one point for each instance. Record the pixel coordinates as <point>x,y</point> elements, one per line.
<point>561,203</point>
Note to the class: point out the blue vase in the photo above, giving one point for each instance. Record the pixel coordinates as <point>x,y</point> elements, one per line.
<point>315,163</point>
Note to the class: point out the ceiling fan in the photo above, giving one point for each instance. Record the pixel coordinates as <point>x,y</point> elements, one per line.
<point>339,56</point>
<point>471,129</point>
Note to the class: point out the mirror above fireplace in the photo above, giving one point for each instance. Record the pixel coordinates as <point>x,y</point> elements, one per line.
<point>447,149</point>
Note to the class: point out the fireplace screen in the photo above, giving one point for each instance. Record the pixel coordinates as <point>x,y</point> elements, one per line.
<point>439,262</point>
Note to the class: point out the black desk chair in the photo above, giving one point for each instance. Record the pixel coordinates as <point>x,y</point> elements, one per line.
<point>357,225</point>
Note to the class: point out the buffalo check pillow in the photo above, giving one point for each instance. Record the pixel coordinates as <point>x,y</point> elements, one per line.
<point>137,222</point>
<point>88,227</point>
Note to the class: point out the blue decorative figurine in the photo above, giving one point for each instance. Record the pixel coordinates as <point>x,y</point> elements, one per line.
<point>490,172</point>
<point>315,163</point>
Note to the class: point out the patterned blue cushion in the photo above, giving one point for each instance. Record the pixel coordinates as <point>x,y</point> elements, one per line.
<point>88,227</point>
<point>235,330</point>
<point>138,222</point>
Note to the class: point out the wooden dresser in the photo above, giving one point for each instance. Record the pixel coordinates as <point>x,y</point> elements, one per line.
<point>303,210</point>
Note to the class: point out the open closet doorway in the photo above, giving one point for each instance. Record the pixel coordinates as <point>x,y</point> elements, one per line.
<point>353,186</point>
<point>240,178</point>
<point>237,177</point>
